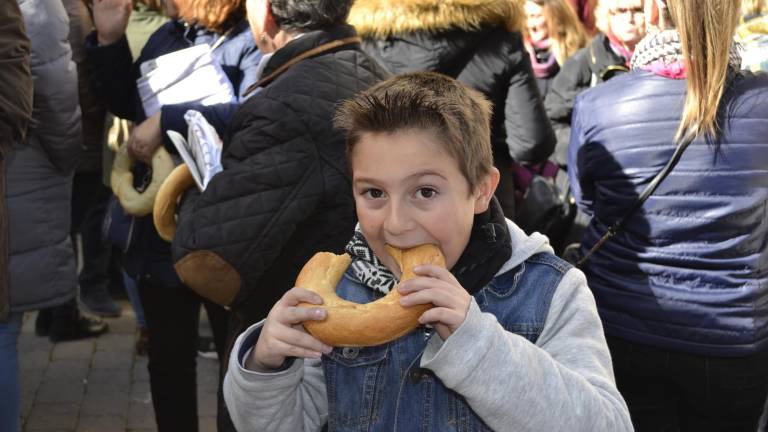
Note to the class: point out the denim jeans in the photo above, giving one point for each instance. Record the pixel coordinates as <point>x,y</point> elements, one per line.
<point>10,396</point>
<point>672,391</point>
<point>132,289</point>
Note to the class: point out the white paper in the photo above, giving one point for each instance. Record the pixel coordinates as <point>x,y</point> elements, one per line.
<point>190,75</point>
<point>201,151</point>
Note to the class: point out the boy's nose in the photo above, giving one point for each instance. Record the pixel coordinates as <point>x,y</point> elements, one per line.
<point>397,221</point>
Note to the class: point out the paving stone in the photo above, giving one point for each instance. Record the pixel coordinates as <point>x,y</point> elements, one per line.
<point>102,381</point>
<point>208,424</point>
<point>141,392</point>
<point>126,323</point>
<point>101,424</point>
<point>70,370</point>
<point>34,360</point>
<point>206,403</point>
<point>112,360</point>
<point>28,323</point>
<point>31,342</point>
<point>60,391</point>
<point>141,416</point>
<point>98,405</point>
<point>30,381</point>
<point>116,342</point>
<point>52,416</point>
<point>81,349</point>
<point>140,372</point>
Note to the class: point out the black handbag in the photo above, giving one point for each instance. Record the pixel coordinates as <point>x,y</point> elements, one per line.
<point>545,206</point>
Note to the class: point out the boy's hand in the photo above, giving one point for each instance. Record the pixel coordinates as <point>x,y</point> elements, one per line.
<point>437,285</point>
<point>283,335</point>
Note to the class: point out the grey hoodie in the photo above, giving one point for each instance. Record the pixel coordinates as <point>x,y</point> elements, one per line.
<point>564,381</point>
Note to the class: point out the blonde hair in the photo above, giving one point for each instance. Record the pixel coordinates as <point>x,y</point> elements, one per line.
<point>706,30</point>
<point>754,7</point>
<point>565,28</point>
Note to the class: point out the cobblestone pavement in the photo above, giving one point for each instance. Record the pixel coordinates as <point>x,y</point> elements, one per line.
<point>96,385</point>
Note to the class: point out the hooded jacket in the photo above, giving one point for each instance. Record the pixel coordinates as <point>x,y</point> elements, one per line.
<point>476,42</point>
<point>39,172</point>
<point>689,272</point>
<point>529,356</point>
<point>585,69</point>
<point>15,114</point>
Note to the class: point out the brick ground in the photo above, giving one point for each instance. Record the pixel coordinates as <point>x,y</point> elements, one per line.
<point>97,385</point>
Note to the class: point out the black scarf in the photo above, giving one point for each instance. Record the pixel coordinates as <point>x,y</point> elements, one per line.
<point>488,249</point>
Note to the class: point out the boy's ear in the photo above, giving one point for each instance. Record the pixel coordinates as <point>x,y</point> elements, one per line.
<point>485,190</point>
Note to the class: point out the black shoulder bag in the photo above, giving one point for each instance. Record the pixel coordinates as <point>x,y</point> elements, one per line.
<point>649,190</point>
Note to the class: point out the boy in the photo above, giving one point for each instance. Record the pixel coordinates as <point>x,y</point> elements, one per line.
<point>513,341</point>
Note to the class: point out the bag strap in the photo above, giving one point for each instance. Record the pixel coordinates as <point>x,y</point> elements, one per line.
<point>311,53</point>
<point>618,226</point>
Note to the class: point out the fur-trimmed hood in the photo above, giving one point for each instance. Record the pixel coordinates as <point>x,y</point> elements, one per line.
<point>384,18</point>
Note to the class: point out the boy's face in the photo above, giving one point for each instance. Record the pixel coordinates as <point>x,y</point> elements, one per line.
<point>410,191</point>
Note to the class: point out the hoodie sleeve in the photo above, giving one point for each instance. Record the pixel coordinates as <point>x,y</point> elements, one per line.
<point>565,379</point>
<point>291,400</point>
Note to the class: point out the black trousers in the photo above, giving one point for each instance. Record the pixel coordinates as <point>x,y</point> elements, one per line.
<point>89,204</point>
<point>670,391</point>
<point>172,315</point>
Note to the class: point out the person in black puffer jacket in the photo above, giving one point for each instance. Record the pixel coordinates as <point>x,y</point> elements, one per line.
<point>479,43</point>
<point>285,192</point>
<point>606,57</point>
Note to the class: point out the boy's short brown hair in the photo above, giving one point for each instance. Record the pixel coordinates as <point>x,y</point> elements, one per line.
<point>459,117</point>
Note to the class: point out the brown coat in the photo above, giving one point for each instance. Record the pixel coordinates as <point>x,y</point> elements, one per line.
<point>15,113</point>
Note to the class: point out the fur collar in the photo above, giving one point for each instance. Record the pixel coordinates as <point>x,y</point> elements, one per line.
<point>383,18</point>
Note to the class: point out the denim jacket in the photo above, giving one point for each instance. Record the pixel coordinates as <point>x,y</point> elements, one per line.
<point>362,382</point>
<point>530,356</point>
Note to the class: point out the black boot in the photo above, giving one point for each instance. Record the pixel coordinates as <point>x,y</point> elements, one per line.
<point>68,324</point>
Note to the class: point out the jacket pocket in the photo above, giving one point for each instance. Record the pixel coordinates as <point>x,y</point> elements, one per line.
<point>354,379</point>
<point>462,418</point>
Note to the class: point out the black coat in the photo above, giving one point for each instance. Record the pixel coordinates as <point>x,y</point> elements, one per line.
<point>285,192</point>
<point>587,68</point>
<point>473,45</point>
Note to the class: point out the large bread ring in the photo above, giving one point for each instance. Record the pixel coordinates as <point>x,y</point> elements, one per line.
<point>164,213</point>
<point>138,203</point>
<point>353,324</point>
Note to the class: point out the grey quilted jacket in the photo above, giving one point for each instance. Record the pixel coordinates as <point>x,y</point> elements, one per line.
<point>285,192</point>
<point>39,174</point>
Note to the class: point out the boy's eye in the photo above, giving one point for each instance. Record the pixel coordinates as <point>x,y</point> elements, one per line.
<point>374,193</point>
<point>426,192</point>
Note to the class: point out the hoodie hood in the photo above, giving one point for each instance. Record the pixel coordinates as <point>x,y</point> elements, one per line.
<point>380,19</point>
<point>524,246</point>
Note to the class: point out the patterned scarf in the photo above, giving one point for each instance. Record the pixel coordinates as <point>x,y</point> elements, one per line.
<point>488,249</point>
<point>662,54</point>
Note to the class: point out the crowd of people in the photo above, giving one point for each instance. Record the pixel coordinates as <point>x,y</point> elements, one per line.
<point>593,171</point>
